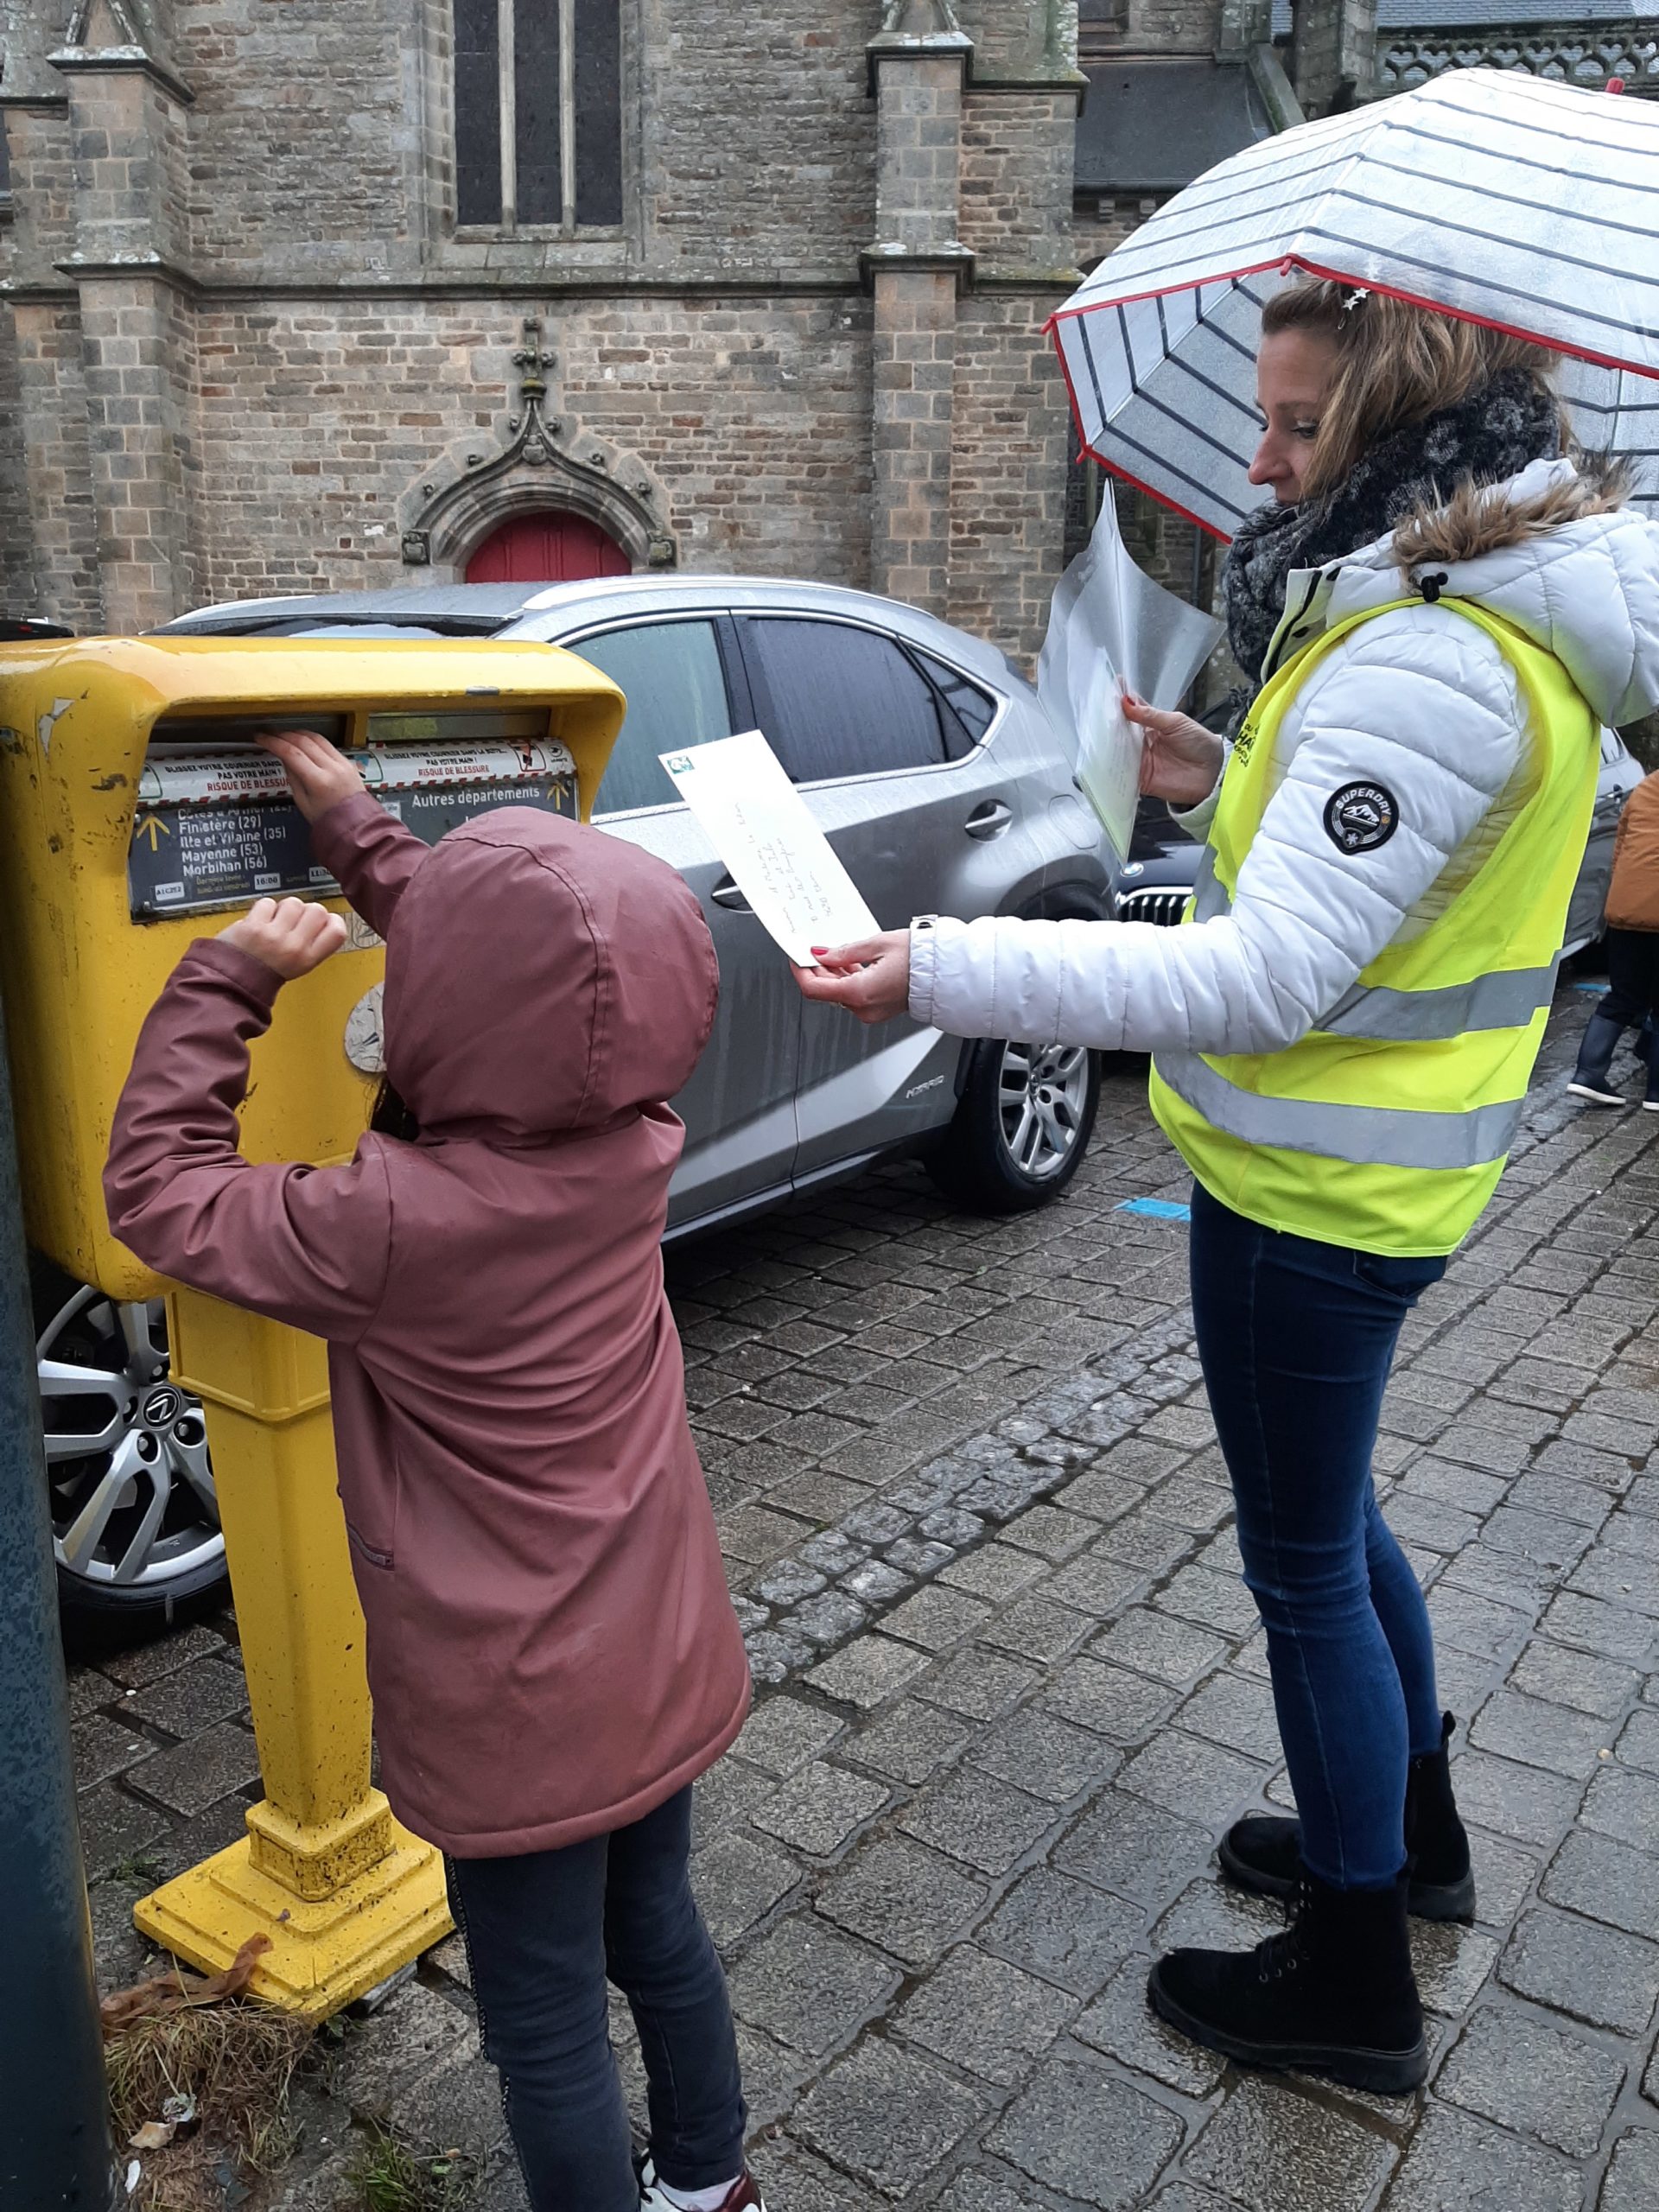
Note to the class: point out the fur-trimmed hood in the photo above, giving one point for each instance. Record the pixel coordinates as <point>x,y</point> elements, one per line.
<point>1549,550</point>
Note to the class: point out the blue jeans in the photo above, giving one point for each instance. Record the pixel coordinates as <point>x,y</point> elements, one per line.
<point>1296,1338</point>
<point>543,1933</point>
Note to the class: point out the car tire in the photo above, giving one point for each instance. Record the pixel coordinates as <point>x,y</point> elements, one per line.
<point>123,1352</point>
<point>1022,1124</point>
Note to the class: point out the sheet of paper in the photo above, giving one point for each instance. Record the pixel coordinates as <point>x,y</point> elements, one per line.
<point>777,855</point>
<point>1109,625</point>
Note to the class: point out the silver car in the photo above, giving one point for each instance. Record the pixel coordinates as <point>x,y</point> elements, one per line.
<point>937,777</point>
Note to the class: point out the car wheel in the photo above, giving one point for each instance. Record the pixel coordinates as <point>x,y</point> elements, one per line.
<point>1021,1126</point>
<point>135,1520</point>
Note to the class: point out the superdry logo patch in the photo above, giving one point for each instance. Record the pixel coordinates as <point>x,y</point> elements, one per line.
<point>1361,817</point>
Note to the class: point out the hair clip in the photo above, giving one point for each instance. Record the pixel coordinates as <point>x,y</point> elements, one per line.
<point>1357,298</point>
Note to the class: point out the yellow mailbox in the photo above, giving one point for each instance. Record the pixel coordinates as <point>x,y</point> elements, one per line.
<point>137,812</point>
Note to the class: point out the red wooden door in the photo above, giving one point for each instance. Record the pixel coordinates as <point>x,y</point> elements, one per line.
<point>550,548</point>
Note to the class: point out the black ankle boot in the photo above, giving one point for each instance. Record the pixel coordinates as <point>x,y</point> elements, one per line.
<point>1333,1995</point>
<point>1590,1079</point>
<point>1263,1852</point>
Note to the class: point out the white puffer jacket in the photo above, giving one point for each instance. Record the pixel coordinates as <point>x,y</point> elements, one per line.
<point>1420,701</point>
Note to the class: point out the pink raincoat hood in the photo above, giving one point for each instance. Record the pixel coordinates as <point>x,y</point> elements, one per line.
<point>540,977</point>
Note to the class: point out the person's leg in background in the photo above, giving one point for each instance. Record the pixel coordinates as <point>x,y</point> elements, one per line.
<point>534,1930</point>
<point>1625,1004</point>
<point>1295,1340</point>
<point>659,1954</point>
<point>1640,958</point>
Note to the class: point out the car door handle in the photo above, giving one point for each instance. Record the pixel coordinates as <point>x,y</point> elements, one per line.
<point>726,894</point>
<point>990,820</point>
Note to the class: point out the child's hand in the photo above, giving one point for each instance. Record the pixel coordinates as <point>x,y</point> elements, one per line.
<point>292,935</point>
<point>319,775</point>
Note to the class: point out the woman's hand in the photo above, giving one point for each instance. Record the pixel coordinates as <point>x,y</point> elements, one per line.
<point>871,980</point>
<point>292,935</point>
<point>319,775</point>
<point>1181,760</point>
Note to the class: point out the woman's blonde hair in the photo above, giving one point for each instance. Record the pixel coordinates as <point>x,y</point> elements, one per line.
<point>1396,364</point>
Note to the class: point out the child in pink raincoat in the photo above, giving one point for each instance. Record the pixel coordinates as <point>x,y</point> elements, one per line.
<point>552,1651</point>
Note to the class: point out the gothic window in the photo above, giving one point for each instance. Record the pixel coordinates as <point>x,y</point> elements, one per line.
<point>538,114</point>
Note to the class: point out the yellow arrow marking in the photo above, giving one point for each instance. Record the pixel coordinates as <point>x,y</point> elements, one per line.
<point>157,828</point>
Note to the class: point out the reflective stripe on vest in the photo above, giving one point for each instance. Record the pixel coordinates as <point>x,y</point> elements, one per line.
<point>1385,1127</point>
<point>1381,1136</point>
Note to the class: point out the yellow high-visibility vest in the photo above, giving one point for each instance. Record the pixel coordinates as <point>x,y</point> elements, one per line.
<point>1387,1126</point>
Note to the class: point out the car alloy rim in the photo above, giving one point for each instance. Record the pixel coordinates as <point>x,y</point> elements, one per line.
<point>1041,1097</point>
<point>133,1504</point>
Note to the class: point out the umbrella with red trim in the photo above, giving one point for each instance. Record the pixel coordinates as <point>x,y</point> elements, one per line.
<point>1495,195</point>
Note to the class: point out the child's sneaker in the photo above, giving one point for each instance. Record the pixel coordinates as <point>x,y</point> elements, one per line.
<point>743,2195</point>
<point>1599,1091</point>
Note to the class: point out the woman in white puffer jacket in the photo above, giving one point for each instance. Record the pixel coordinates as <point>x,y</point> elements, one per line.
<point>1342,1036</point>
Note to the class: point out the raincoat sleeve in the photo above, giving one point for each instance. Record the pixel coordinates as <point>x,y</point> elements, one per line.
<point>1418,702</point>
<point>369,854</point>
<point>305,1245</point>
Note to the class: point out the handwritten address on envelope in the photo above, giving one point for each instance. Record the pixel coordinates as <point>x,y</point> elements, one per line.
<point>779,857</point>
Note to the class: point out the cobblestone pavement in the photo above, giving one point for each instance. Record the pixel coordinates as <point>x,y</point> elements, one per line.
<point>1013,1689</point>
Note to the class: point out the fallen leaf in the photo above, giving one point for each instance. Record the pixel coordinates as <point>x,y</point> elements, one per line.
<point>174,1991</point>
<point>154,2135</point>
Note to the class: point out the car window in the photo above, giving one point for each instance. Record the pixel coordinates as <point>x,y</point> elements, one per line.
<point>844,701</point>
<point>677,695</point>
<point>968,712</point>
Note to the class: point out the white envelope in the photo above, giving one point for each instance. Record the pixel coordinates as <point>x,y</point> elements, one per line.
<point>777,855</point>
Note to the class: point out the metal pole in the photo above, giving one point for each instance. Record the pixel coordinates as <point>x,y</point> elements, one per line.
<point>54,2146</point>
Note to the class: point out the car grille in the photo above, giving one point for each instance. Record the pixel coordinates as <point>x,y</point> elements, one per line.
<point>1163,907</point>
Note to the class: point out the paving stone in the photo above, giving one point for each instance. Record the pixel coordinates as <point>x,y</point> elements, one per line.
<point>1623,1578</point>
<point>1632,2183</point>
<point>996,1571</point>
<point>782,1734</point>
<point>876,1583</point>
<point>147,1662</point>
<point>1452,1964</point>
<point>1122,2024</point>
<point>1457,2163</point>
<point>1033,1627</point>
<point>1125,1844</point>
<point>1594,1973</point>
<point>1062,1930</point>
<point>189,1700</point>
<point>978,1819</point>
<point>868,1672</point>
<point>772,2075</point>
<point>1542,1538</point>
<point>412,2030</point>
<point>817,1808</point>
<point>910,1741</point>
<point>985,2016</point>
<point>1220,1602</point>
<point>1532,2076</point>
<point>1624,1803</point>
<point>1094,1585</point>
<point>103,1747</point>
<point>1199,1780</point>
<point>979,1683</point>
<point>1152,1644</point>
<point>725,1797</point>
<point>1079,2130</point>
<point>792,2176</point>
<point>981,2189</point>
<point>1575,1678</point>
<point>1639,1743</point>
<point>807,1985</point>
<point>1522,1801</point>
<point>1236,1710</point>
<point>1053,1532</point>
<point>1539,1734</point>
<point>904,1898</point>
<point>459,2106</point>
<point>936,1618</point>
<point>1470,1623</point>
<point>1272,2150</point>
<point>1502,1877</point>
<point>1596,1626</point>
<point>738,1883</point>
<point>1113,1703</point>
<point>1607,1880</point>
<point>1212,1915</point>
<point>887,2115</point>
<point>1047,1756</point>
<point>187,1778</point>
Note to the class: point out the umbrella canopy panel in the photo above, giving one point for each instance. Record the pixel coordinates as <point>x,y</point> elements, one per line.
<point>1526,205</point>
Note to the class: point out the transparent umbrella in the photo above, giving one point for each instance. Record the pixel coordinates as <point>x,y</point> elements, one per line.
<point>1528,206</point>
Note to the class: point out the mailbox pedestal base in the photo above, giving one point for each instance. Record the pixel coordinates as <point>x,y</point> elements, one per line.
<point>324,1952</point>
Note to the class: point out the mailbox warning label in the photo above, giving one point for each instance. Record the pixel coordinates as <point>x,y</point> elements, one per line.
<point>188,859</point>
